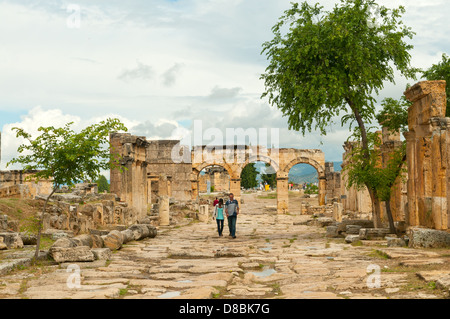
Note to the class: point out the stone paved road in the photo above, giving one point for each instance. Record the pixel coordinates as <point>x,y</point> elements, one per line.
<point>270,258</point>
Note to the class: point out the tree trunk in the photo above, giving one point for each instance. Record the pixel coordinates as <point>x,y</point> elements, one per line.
<point>376,214</point>
<point>41,219</point>
<point>390,217</point>
<point>365,147</point>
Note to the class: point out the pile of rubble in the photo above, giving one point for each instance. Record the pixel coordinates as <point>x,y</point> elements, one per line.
<point>98,244</point>
<point>354,230</point>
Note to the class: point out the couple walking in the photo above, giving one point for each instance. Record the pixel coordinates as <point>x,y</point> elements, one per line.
<point>231,210</point>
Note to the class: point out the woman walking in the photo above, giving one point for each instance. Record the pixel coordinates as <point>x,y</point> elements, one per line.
<point>218,215</point>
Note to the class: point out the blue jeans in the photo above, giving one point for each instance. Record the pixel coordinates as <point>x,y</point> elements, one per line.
<point>220,226</point>
<point>232,225</point>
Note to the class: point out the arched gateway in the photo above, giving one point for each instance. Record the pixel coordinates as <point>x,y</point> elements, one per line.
<point>166,168</point>
<point>235,158</point>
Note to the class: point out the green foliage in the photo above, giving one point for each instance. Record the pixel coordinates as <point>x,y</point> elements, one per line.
<point>248,176</point>
<point>311,189</point>
<point>365,168</point>
<point>271,179</point>
<point>102,184</point>
<point>394,114</point>
<point>66,156</point>
<point>441,71</point>
<point>324,62</point>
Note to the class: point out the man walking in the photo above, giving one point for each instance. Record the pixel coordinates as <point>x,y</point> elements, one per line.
<point>232,210</point>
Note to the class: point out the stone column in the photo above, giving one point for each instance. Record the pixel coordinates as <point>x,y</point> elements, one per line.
<point>194,186</point>
<point>282,192</point>
<point>235,188</point>
<point>322,190</point>
<point>164,215</point>
<point>427,155</point>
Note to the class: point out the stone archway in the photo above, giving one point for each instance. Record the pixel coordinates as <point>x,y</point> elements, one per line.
<point>283,182</point>
<point>282,160</point>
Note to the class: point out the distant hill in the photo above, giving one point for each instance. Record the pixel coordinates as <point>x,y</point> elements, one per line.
<point>304,173</point>
<point>301,173</point>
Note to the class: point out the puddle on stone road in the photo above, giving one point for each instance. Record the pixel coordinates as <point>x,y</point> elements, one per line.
<point>267,248</point>
<point>265,273</point>
<point>185,281</point>
<point>169,294</point>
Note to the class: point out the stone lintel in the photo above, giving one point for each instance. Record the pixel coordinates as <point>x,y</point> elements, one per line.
<point>422,89</point>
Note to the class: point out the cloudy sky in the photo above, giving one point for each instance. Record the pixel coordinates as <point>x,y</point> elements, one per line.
<point>160,65</point>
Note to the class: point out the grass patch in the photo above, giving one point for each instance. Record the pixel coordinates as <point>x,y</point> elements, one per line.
<point>357,243</point>
<point>379,254</point>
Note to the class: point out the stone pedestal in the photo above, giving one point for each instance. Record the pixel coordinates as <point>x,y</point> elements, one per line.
<point>164,216</point>
<point>337,211</point>
<point>203,214</point>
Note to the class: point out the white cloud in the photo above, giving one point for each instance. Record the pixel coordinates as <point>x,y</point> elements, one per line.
<point>176,61</point>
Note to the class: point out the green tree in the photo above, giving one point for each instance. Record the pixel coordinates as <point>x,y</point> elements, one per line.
<point>67,157</point>
<point>329,64</point>
<point>269,178</point>
<point>102,184</point>
<point>248,176</point>
<point>441,71</point>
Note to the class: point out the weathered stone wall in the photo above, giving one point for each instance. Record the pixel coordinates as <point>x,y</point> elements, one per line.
<point>333,185</point>
<point>218,178</point>
<point>131,184</point>
<point>160,162</point>
<point>17,183</point>
<point>428,156</point>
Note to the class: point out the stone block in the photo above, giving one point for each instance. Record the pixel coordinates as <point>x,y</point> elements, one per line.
<point>12,240</point>
<point>101,253</point>
<point>373,233</point>
<point>352,229</point>
<point>428,238</point>
<point>321,222</point>
<point>84,240</point>
<point>342,227</point>
<point>65,242</point>
<point>443,283</point>
<point>351,238</point>
<point>332,232</point>
<point>71,254</point>
<point>395,242</point>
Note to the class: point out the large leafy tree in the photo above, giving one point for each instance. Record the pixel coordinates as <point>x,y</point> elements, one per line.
<point>67,157</point>
<point>269,176</point>
<point>329,64</point>
<point>248,176</point>
<point>102,184</point>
